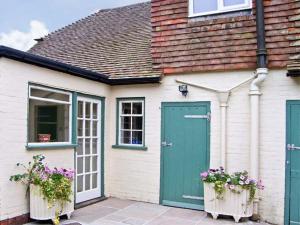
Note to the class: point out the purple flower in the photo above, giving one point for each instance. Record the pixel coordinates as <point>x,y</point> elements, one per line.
<point>204,175</point>
<point>259,185</point>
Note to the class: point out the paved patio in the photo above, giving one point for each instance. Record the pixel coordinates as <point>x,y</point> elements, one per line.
<point>124,212</point>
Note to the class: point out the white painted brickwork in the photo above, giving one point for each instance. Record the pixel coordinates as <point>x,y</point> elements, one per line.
<point>136,174</point>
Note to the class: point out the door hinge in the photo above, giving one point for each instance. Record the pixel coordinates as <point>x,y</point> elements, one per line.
<point>207,116</point>
<point>292,147</point>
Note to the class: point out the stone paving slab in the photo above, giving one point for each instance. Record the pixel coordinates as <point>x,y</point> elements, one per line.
<point>115,211</point>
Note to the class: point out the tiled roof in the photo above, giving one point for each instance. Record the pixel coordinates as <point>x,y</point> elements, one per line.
<point>115,42</point>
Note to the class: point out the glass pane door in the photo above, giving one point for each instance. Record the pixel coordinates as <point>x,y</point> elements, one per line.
<point>88,161</point>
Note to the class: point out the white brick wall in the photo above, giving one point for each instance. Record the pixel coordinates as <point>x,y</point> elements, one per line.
<point>136,174</point>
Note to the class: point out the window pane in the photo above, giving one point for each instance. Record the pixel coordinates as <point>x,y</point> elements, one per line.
<point>80,109</point>
<point>126,108</point>
<point>137,122</point>
<point>202,6</point>
<point>95,111</point>
<point>233,2</point>
<point>80,146</point>
<point>87,164</point>
<point>48,122</point>
<point>95,180</point>
<point>87,146</point>
<point>87,110</point>
<point>79,183</point>
<point>95,163</point>
<point>95,128</point>
<point>94,145</point>
<point>125,137</point>
<point>137,108</point>
<point>87,182</point>
<point>125,122</point>
<point>137,137</point>
<point>49,95</point>
<point>87,128</point>
<point>80,127</point>
<point>80,165</point>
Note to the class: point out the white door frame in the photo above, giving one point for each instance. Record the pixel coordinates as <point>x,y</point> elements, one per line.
<point>88,190</point>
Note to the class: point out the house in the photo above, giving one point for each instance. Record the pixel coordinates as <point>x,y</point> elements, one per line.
<point>105,90</point>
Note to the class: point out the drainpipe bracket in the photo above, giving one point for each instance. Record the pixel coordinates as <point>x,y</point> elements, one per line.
<point>255,92</point>
<point>262,71</point>
<point>223,98</point>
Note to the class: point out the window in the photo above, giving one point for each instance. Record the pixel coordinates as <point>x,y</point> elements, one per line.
<point>204,7</point>
<point>49,116</point>
<point>131,122</point>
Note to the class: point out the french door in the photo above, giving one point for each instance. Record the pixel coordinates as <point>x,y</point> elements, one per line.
<point>88,152</point>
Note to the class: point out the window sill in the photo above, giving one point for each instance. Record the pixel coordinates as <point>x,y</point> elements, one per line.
<point>50,146</point>
<point>125,147</point>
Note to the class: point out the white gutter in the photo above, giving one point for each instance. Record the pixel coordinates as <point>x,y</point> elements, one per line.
<point>223,96</point>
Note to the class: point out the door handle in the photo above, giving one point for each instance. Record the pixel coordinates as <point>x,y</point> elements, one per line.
<point>165,144</point>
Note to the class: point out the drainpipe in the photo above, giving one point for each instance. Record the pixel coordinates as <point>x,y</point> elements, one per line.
<point>255,94</point>
<point>223,99</point>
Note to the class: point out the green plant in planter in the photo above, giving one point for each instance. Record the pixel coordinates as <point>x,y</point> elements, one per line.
<point>55,184</point>
<point>234,182</point>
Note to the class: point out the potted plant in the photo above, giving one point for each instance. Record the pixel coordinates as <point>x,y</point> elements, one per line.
<point>229,194</point>
<point>50,190</point>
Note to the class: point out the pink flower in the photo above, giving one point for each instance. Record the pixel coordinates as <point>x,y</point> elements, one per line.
<point>231,187</point>
<point>204,175</point>
<point>259,185</point>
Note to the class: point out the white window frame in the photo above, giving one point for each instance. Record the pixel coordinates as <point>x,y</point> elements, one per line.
<point>131,115</point>
<point>69,142</point>
<point>221,8</point>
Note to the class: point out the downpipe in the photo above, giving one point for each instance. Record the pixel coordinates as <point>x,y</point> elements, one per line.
<point>255,93</point>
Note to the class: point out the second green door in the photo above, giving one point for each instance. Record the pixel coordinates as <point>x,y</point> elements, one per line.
<point>185,153</point>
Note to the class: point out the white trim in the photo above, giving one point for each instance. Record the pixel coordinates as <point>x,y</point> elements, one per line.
<point>51,144</point>
<point>51,90</point>
<point>131,130</point>
<point>221,8</point>
<point>49,100</point>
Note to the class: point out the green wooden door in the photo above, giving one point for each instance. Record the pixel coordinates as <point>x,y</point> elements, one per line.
<point>292,213</point>
<point>185,153</point>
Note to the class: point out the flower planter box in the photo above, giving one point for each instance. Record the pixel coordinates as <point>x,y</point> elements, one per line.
<point>232,204</point>
<point>39,208</point>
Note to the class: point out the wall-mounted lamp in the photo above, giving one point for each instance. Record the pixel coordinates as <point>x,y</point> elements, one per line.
<point>183,89</point>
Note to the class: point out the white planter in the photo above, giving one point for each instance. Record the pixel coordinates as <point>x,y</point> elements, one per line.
<point>39,209</point>
<point>232,204</point>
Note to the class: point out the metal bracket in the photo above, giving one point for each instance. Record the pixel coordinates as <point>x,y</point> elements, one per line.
<point>192,197</point>
<point>207,116</point>
<point>165,144</point>
<point>292,147</point>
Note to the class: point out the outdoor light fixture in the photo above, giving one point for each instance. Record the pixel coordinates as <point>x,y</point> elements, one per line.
<point>183,89</point>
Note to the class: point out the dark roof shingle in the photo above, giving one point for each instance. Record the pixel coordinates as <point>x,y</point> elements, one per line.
<point>115,42</point>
